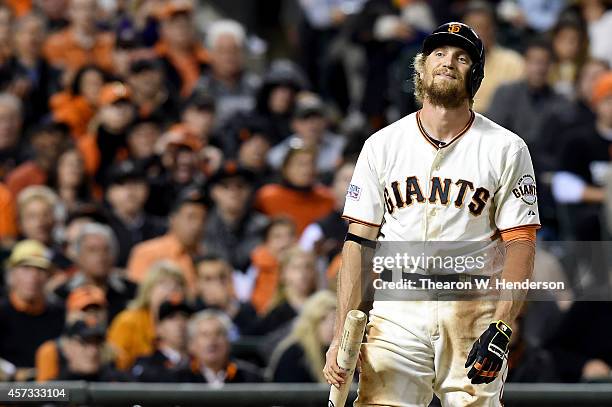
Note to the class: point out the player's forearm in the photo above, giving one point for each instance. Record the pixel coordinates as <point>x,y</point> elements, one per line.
<point>518,266</point>
<point>349,290</point>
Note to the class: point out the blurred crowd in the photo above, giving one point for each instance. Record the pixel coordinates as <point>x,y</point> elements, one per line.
<point>172,176</point>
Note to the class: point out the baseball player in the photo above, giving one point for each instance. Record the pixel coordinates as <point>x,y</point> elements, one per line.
<point>444,173</point>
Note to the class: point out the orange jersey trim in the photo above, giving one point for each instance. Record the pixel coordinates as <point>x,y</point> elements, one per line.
<point>429,138</point>
<point>527,232</point>
<point>363,222</point>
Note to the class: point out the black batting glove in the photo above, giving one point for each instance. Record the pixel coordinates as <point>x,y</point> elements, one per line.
<point>488,353</point>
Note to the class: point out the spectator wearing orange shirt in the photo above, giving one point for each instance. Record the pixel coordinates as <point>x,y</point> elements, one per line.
<point>47,142</point>
<point>181,244</point>
<point>8,218</point>
<point>298,196</point>
<point>20,7</point>
<point>81,42</point>
<point>77,106</point>
<point>132,333</point>
<point>184,58</point>
<point>108,144</point>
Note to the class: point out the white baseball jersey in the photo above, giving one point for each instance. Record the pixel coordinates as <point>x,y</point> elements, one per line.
<point>479,183</point>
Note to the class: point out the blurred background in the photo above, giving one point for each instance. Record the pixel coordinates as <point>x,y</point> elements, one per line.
<point>172,175</point>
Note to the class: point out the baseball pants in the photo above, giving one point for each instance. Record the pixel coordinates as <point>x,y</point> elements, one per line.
<point>417,348</point>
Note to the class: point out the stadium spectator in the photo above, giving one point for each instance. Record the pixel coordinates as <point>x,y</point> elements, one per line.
<point>298,281</point>
<point>11,119</point>
<point>598,17</point>
<point>81,42</point>
<point>210,347</point>
<point>27,317</point>
<point>182,242</point>
<point>170,360</point>
<point>67,177</point>
<point>77,105</point>
<point>8,218</point>
<point>96,249</point>
<point>300,357</point>
<point>37,207</point>
<point>83,348</point>
<point>55,13</point>
<point>276,97</point>
<point>298,196</point>
<point>530,96</point>
<point>132,333</point>
<point>584,159</point>
<point>311,131</point>
<point>85,303</point>
<point>278,236</point>
<point>216,291</point>
<point>47,143</point>
<point>141,140</point>
<point>182,167</point>
<point>233,229</point>
<point>151,93</point>
<point>199,117</point>
<point>255,143</point>
<point>6,22</point>
<point>31,78</point>
<point>184,58</point>
<point>570,42</point>
<point>228,81</point>
<point>108,143</point>
<point>326,236</point>
<point>502,64</point>
<point>126,194</point>
<point>587,356</point>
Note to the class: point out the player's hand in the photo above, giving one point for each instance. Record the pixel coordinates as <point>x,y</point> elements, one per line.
<point>488,352</point>
<point>333,373</point>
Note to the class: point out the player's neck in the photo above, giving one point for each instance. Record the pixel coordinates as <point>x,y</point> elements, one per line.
<point>442,123</point>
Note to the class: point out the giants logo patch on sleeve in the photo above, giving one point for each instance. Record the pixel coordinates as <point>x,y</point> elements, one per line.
<point>526,190</point>
<point>353,192</point>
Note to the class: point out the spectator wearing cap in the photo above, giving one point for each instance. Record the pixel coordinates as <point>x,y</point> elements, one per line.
<point>77,105</point>
<point>184,58</point>
<point>108,144</point>
<point>129,46</point>
<point>47,142</point>
<point>181,244</point>
<point>132,334</point>
<point>31,77</point>
<point>210,347</point>
<point>233,229</point>
<point>81,42</point>
<point>85,303</point>
<point>96,249</point>
<point>182,165</point>
<point>584,160</point>
<point>276,97</point>
<point>169,363</point>
<point>311,131</point>
<point>199,117</point>
<point>83,348</point>
<point>298,196</point>
<point>11,120</point>
<point>8,216</point>
<point>530,96</point>
<point>216,291</point>
<point>326,236</point>
<point>27,317</point>
<point>126,194</point>
<point>278,237</point>
<point>228,81</point>
<point>151,93</point>
<point>141,140</point>
<point>502,64</point>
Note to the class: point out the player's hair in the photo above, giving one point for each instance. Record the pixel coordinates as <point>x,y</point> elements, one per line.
<point>419,87</point>
<point>305,334</point>
<point>158,271</point>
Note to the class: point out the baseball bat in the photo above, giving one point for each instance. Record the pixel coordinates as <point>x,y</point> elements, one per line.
<point>348,353</point>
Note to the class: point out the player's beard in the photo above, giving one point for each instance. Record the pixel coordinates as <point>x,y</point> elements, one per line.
<point>446,93</point>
